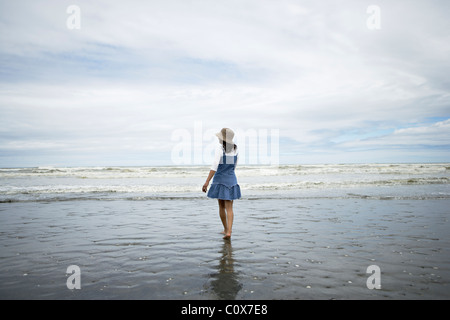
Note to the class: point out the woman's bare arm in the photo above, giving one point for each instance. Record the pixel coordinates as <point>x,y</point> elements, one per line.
<point>205,186</point>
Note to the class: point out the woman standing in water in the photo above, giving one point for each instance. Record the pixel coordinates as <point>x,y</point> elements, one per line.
<point>224,187</point>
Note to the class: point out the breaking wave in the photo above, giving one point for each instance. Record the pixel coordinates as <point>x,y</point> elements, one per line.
<point>162,183</point>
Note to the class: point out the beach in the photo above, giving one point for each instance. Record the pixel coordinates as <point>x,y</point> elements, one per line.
<point>300,232</point>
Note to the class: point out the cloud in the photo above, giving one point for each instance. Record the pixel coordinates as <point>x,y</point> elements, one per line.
<point>424,136</point>
<point>139,70</point>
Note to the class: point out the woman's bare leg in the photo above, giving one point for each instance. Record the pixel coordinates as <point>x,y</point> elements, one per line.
<point>230,217</point>
<point>223,214</point>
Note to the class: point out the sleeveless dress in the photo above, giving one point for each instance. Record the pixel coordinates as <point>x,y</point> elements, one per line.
<point>224,185</point>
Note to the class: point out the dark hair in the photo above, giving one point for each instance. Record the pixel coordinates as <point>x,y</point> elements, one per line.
<point>227,146</point>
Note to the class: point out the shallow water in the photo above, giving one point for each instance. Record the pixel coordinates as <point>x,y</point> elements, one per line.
<point>289,248</point>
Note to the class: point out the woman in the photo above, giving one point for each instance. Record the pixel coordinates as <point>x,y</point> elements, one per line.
<point>224,186</point>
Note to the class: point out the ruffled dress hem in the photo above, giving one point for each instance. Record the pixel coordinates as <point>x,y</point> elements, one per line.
<point>223,192</point>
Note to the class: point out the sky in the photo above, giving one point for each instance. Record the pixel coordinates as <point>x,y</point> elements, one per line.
<point>117,82</point>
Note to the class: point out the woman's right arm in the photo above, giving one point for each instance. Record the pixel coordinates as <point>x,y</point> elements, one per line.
<point>205,186</point>
<point>217,156</point>
<point>215,165</point>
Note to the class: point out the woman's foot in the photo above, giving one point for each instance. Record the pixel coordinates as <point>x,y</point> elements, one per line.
<point>227,235</point>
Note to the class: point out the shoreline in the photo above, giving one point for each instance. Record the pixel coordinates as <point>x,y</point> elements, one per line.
<point>280,249</point>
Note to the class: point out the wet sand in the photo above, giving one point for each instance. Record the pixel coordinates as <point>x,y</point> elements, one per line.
<point>172,249</point>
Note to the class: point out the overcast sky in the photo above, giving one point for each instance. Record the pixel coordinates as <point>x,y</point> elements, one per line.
<point>116,90</point>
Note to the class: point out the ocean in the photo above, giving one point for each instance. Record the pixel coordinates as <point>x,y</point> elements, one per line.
<point>300,232</point>
<point>378,181</point>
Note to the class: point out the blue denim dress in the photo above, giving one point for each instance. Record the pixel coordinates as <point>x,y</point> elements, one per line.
<point>224,185</point>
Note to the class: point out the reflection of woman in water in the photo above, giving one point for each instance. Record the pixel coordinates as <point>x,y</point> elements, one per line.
<point>224,186</point>
<point>226,284</point>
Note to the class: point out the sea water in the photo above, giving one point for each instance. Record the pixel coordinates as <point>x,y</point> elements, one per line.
<point>412,181</point>
<point>300,232</point>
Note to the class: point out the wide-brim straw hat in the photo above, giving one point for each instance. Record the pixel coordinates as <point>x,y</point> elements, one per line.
<point>226,134</point>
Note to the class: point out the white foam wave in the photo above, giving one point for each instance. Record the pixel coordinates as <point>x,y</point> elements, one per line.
<point>243,171</point>
<point>177,188</point>
<point>140,182</point>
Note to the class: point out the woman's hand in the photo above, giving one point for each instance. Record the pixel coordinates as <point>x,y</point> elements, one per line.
<point>205,187</point>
